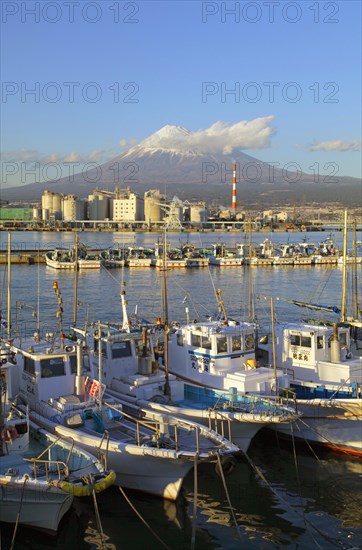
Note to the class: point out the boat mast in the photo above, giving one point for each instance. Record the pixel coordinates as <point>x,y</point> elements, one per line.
<point>8,328</point>
<point>75,303</point>
<point>251,304</point>
<point>100,365</point>
<point>344,270</point>
<point>167,390</point>
<point>273,343</point>
<point>355,286</point>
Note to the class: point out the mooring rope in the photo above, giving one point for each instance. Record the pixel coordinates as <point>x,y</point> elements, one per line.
<point>193,533</point>
<point>90,481</point>
<point>228,496</point>
<point>307,522</point>
<point>19,511</point>
<point>143,520</point>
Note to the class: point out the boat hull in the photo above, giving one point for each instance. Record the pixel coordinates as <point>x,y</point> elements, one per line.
<point>148,469</point>
<point>42,506</point>
<point>336,425</point>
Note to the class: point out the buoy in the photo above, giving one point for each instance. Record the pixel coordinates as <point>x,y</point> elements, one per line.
<point>86,490</point>
<point>9,433</point>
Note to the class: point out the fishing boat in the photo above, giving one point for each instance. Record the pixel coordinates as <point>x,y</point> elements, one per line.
<point>326,380</point>
<point>325,377</point>
<point>151,452</point>
<point>40,474</point>
<point>134,376</point>
<point>194,257</point>
<point>138,256</point>
<point>173,257</point>
<point>224,257</point>
<point>60,259</point>
<point>113,257</point>
<point>66,259</point>
<point>263,254</point>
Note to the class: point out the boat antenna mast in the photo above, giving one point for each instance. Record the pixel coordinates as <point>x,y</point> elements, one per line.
<point>167,389</point>
<point>221,305</point>
<point>125,321</point>
<point>344,271</point>
<point>59,313</point>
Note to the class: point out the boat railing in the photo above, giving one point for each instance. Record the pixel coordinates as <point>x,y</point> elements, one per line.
<point>156,427</point>
<point>62,467</point>
<point>219,423</point>
<point>256,404</point>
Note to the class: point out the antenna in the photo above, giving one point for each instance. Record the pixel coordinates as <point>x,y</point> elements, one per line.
<point>233,198</point>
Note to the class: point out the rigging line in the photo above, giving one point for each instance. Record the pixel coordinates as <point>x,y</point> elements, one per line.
<point>285,502</point>
<point>90,481</point>
<point>228,496</point>
<point>189,295</point>
<point>38,304</point>
<point>193,533</point>
<point>19,511</point>
<point>3,287</point>
<point>330,270</point>
<point>323,437</point>
<point>143,520</point>
<point>209,271</point>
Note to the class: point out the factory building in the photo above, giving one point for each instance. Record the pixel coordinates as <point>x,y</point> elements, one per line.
<point>127,206</point>
<point>51,204</point>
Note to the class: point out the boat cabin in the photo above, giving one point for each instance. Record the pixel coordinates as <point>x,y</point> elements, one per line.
<point>306,350</point>
<point>210,346</point>
<point>46,372</point>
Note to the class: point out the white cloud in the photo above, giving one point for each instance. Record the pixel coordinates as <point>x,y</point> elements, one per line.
<point>32,156</point>
<point>124,143</point>
<point>220,137</point>
<point>337,145</point>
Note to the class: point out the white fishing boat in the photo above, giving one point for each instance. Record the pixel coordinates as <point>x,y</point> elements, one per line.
<point>60,259</point>
<point>194,257</point>
<point>113,257</point>
<point>134,376</point>
<point>40,474</point>
<point>224,257</point>
<point>66,259</point>
<point>173,258</point>
<point>263,254</point>
<point>152,452</point>
<point>326,380</point>
<point>138,256</point>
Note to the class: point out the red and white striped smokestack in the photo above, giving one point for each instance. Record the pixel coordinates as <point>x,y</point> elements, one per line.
<point>233,200</point>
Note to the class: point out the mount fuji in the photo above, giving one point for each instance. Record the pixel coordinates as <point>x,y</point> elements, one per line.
<point>181,162</point>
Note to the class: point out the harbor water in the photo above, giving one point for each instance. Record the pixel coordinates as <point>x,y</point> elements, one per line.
<point>284,496</point>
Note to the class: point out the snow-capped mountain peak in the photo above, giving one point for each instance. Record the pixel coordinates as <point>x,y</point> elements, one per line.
<point>169,138</point>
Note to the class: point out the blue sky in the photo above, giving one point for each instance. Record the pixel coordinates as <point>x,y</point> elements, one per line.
<point>137,66</point>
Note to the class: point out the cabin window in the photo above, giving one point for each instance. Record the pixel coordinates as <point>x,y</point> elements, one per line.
<point>306,342</point>
<point>22,428</point>
<point>236,343</point>
<point>29,365</point>
<point>196,340</point>
<point>222,344</point>
<point>52,367</point>
<point>320,342</point>
<point>180,339</point>
<point>249,341</point>
<point>121,349</point>
<point>343,338</point>
<point>206,342</point>
<point>295,339</point>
